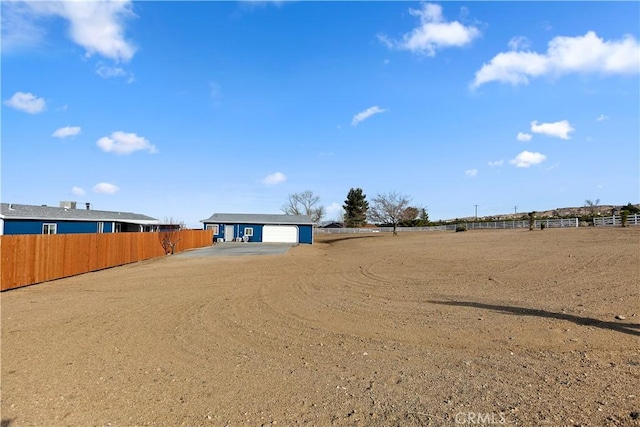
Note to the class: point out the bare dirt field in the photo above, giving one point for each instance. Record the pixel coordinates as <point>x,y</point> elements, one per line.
<point>484,327</point>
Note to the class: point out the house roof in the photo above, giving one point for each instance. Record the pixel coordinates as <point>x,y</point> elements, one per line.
<point>17,211</point>
<point>333,224</point>
<point>276,219</point>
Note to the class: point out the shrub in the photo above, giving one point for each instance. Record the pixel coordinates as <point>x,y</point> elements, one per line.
<point>532,220</point>
<point>624,215</point>
<point>461,227</point>
<point>587,218</point>
<point>542,226</point>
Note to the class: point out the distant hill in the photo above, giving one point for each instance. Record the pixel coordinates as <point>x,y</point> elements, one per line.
<point>575,212</point>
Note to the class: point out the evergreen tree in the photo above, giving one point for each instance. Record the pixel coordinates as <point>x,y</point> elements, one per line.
<point>631,209</point>
<point>355,208</point>
<point>423,221</point>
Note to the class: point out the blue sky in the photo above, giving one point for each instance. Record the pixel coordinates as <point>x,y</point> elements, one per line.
<point>183,109</point>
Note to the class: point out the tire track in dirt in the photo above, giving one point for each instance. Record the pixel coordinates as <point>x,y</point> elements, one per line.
<point>351,333</point>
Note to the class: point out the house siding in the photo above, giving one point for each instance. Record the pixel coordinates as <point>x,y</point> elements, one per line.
<point>305,232</point>
<point>238,231</point>
<point>257,231</point>
<point>24,226</point>
<point>258,222</point>
<point>217,235</point>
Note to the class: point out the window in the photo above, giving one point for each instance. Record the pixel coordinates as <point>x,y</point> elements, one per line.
<point>248,231</point>
<point>213,227</point>
<point>49,228</point>
<point>101,227</point>
<point>118,227</point>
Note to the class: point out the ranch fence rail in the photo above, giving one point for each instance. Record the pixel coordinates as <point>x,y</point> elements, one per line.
<point>616,220</point>
<point>35,258</point>
<point>548,223</point>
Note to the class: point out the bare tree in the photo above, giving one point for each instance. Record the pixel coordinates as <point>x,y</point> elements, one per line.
<point>391,208</point>
<point>305,203</point>
<point>410,217</point>
<point>169,234</point>
<point>592,205</point>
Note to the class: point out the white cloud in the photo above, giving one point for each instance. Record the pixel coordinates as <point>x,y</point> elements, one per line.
<point>496,163</point>
<point>77,191</point>
<point>519,43</point>
<point>18,28</point>
<point>251,5</point>
<point>109,72</point>
<point>524,136</point>
<point>27,102</point>
<point>565,55</point>
<point>545,25</point>
<point>105,188</point>
<point>334,210</point>
<point>274,178</point>
<point>66,131</point>
<point>471,172</point>
<point>433,32</point>
<point>559,129</point>
<point>364,115</point>
<point>602,118</point>
<point>124,143</point>
<point>527,158</point>
<point>97,26</point>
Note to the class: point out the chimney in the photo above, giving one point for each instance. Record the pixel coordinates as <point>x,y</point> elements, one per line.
<point>68,205</point>
<point>88,205</point>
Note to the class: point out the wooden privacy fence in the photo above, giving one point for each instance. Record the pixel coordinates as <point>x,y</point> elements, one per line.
<point>35,258</point>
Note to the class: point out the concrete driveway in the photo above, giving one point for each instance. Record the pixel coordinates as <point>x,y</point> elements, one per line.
<point>238,249</point>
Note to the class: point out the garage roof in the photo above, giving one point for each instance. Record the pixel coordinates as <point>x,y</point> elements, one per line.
<point>279,219</point>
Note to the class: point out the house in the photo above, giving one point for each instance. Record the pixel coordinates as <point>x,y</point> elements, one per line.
<point>266,228</point>
<point>66,219</point>
<point>333,225</point>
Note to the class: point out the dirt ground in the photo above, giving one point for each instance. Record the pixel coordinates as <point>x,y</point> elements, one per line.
<point>505,327</point>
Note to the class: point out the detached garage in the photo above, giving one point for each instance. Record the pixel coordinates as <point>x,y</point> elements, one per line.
<point>263,228</point>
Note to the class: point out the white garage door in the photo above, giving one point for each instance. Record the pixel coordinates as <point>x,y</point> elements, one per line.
<point>280,234</point>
